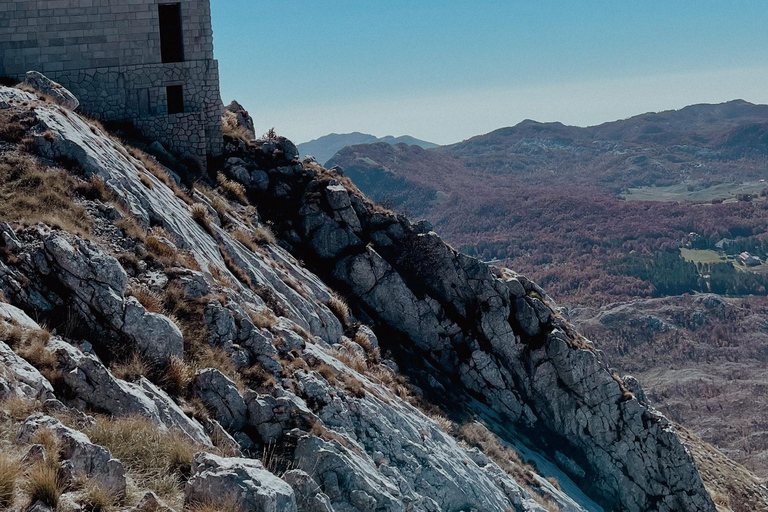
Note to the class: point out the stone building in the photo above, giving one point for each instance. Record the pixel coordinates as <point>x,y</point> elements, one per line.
<point>149,62</point>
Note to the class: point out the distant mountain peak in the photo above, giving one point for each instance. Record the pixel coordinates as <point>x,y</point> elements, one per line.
<point>323,148</point>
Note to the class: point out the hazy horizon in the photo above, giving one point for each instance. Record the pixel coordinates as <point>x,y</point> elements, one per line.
<point>444,71</point>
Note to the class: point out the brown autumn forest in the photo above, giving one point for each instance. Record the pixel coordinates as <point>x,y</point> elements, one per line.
<point>634,226</point>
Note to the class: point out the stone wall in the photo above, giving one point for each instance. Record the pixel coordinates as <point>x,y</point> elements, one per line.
<point>107,52</point>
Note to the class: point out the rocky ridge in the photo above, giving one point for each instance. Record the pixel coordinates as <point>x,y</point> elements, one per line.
<point>282,390</point>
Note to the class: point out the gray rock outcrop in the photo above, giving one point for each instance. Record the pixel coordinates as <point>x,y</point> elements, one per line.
<point>242,481</point>
<point>488,332</point>
<point>58,92</point>
<point>93,386</point>
<point>79,456</point>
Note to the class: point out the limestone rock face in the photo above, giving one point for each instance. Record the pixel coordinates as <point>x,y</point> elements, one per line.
<point>95,387</point>
<point>218,479</point>
<point>221,396</point>
<point>317,397</point>
<point>486,332</point>
<point>235,116</point>
<point>59,93</point>
<point>80,456</point>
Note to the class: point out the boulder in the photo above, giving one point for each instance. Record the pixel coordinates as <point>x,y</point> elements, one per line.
<point>59,93</point>
<point>80,457</point>
<point>309,497</point>
<point>97,282</point>
<point>151,503</point>
<point>221,397</point>
<point>245,481</point>
<point>93,386</point>
<point>237,117</point>
<point>272,416</point>
<point>19,378</point>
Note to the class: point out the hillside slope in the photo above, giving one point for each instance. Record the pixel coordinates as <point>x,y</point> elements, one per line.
<point>175,308</point>
<point>556,202</point>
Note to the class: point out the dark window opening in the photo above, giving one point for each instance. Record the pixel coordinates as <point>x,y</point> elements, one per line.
<point>175,95</point>
<point>171,39</point>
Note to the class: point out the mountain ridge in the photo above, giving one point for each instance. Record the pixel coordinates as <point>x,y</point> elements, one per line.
<point>323,148</point>
<point>433,360</point>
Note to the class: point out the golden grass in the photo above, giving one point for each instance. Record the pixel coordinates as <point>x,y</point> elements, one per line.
<point>144,179</point>
<point>98,498</point>
<point>262,318</point>
<point>149,299</point>
<point>200,215</point>
<point>178,376</point>
<point>232,189</point>
<point>131,228</point>
<point>231,129</point>
<point>339,307</point>
<point>258,376</point>
<point>219,275</point>
<point>217,358</point>
<point>9,476</point>
<point>158,248</point>
<point>43,484</point>
<point>131,369</point>
<point>244,238</point>
<point>221,206</point>
<point>156,459</point>
<point>220,505</point>
<point>477,435</point>
<point>32,193</point>
<point>327,372</point>
<point>19,408</point>
<point>151,165</point>
<point>262,235</point>
<point>235,269</point>
<point>350,358</point>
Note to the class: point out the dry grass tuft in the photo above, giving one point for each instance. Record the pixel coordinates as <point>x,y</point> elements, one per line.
<point>215,357</point>
<point>178,376</point>
<point>350,357</point>
<point>32,193</point>
<point>155,459</point>
<point>319,430</point>
<point>131,228</point>
<point>159,172</point>
<point>98,498</point>
<point>353,385</point>
<point>144,179</point>
<point>232,189</point>
<point>235,269</point>
<point>9,476</point>
<point>43,485</point>
<point>220,505</point>
<point>200,215</point>
<point>258,376</point>
<point>327,372</point>
<point>477,435</point>
<point>131,369</point>
<point>149,299</point>
<point>262,318</point>
<point>221,206</point>
<point>262,235</point>
<point>19,408</point>
<point>339,307</point>
<point>219,275</point>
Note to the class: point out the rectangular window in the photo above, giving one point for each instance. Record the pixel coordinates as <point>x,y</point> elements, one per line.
<point>171,38</point>
<point>175,95</point>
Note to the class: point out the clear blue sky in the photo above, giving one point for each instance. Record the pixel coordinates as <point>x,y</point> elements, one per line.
<point>445,70</point>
